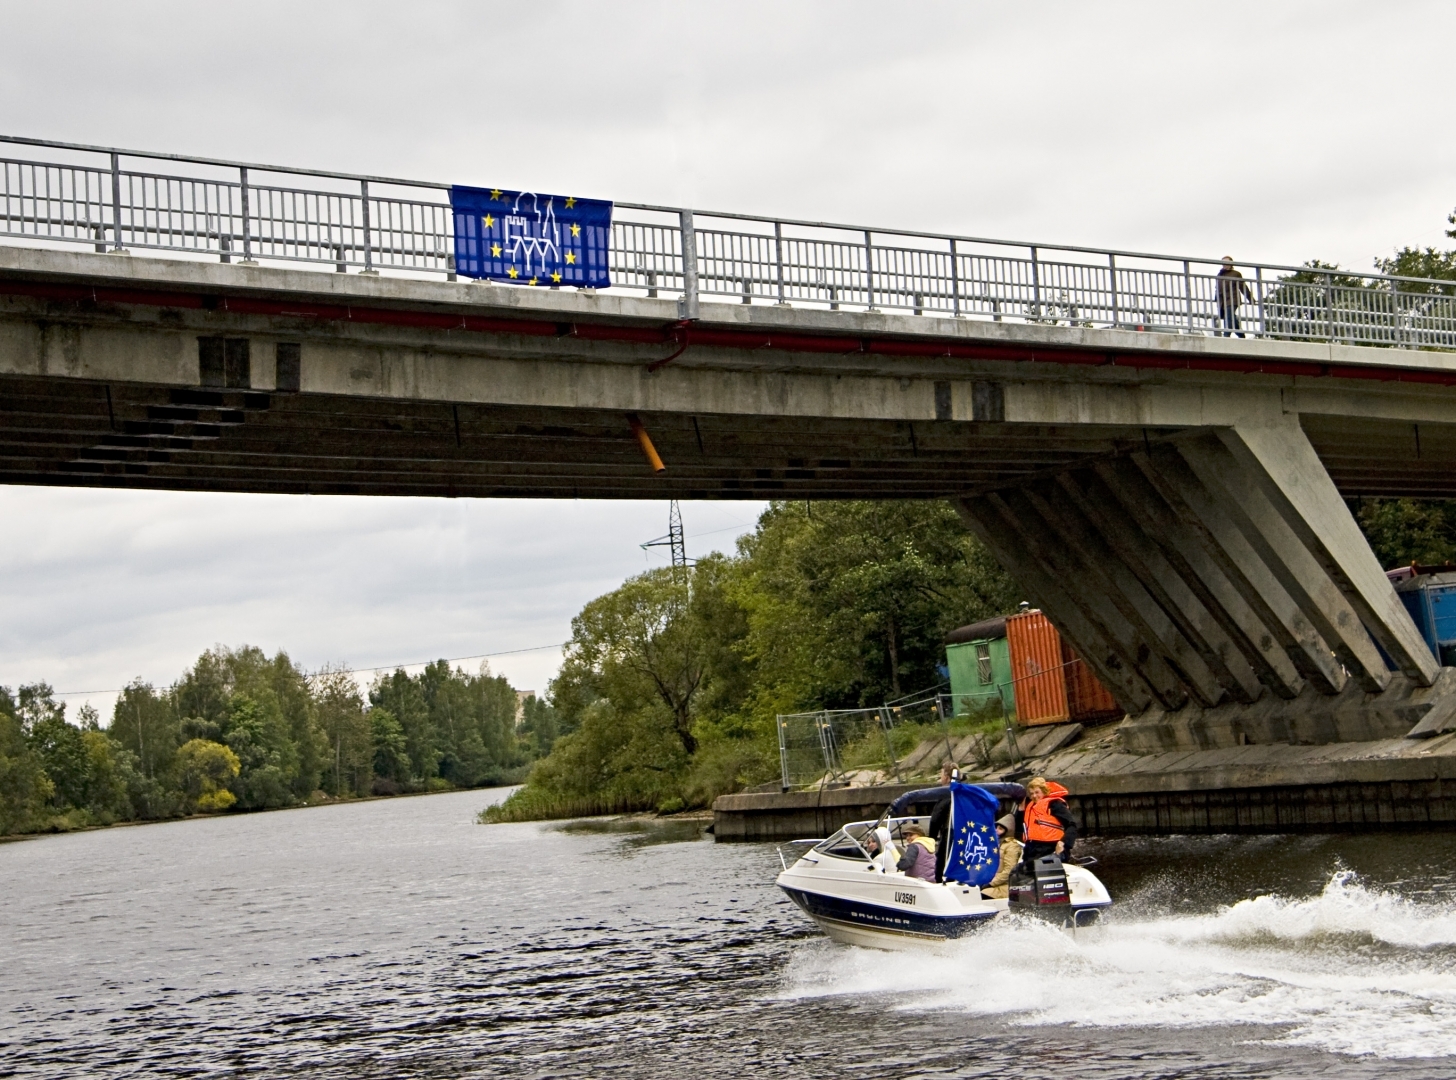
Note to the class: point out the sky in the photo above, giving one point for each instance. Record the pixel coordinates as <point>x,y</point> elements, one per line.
<point>1273,132</point>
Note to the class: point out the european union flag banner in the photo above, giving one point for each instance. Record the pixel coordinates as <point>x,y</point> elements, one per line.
<point>531,239</point>
<point>975,850</point>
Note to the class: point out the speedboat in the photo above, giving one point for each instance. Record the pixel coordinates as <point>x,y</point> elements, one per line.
<point>840,886</point>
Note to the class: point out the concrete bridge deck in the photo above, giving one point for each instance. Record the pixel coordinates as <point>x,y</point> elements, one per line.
<point>166,373</point>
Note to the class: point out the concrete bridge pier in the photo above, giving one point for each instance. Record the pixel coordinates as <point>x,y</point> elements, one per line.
<point>1217,583</point>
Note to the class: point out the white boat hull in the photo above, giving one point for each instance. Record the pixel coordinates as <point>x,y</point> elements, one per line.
<point>856,904</point>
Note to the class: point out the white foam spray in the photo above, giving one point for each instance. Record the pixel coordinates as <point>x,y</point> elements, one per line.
<point>1353,970</point>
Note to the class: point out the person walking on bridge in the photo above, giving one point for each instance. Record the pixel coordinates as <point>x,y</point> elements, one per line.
<point>1233,292</point>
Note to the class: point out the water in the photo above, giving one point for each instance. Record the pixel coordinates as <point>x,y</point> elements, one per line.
<point>398,938</point>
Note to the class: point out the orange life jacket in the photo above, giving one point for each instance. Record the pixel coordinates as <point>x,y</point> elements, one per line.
<point>1037,820</point>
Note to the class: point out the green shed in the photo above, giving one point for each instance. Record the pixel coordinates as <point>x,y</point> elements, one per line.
<point>979,662</point>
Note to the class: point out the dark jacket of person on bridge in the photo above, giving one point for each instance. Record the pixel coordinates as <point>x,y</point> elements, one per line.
<point>1233,291</point>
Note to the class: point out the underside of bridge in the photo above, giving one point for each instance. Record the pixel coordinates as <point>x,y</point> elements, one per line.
<point>1177,504</point>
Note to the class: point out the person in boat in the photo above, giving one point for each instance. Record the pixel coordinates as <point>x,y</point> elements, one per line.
<point>918,858</point>
<point>998,888</point>
<point>1048,827</point>
<point>940,818</point>
<point>882,851</point>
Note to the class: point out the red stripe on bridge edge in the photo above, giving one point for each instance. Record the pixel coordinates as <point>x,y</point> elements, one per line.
<point>727,338</point>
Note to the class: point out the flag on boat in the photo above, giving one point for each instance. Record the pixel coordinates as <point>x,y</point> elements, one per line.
<point>975,849</point>
<point>527,238</point>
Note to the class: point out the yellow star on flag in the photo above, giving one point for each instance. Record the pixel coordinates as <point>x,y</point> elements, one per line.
<point>576,230</point>
<point>570,202</point>
<point>556,277</point>
<point>531,282</point>
<point>512,272</point>
<point>489,221</point>
<point>495,193</point>
<point>495,250</point>
<point>570,257</point>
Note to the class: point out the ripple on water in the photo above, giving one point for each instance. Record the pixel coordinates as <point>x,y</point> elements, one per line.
<point>397,937</point>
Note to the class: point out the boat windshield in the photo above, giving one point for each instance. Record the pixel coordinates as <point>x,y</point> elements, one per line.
<point>847,843</point>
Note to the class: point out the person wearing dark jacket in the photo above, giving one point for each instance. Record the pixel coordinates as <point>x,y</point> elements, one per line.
<point>1048,827</point>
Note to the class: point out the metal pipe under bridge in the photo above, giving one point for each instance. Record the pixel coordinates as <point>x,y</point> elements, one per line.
<point>1172,497</point>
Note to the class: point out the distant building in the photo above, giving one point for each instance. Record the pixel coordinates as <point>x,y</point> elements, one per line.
<point>521,696</point>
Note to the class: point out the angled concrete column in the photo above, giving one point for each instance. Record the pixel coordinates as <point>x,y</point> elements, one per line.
<point>1287,558</point>
<point>1165,585</point>
<point>987,517</point>
<point>1296,483</point>
<point>1212,515</point>
<point>1121,582</point>
<point>1091,590</point>
<point>1188,553</point>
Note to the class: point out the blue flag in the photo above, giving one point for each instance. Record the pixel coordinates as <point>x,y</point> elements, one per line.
<point>975,849</point>
<point>531,239</point>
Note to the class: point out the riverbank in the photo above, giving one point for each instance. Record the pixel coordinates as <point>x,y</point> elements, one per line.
<point>311,804</point>
<point>1335,787</point>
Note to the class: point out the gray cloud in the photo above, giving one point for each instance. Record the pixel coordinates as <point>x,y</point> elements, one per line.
<point>1280,132</point>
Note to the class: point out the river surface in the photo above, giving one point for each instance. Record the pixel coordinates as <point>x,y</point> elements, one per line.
<point>397,938</point>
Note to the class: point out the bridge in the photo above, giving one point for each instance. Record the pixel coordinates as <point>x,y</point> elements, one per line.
<point>1172,496</point>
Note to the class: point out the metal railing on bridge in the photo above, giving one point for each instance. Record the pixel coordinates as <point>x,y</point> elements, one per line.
<point>203,207</point>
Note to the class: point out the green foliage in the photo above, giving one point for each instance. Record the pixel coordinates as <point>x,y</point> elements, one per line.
<point>205,770</point>
<point>669,690</point>
<point>1405,531</point>
<point>25,790</point>
<point>445,728</point>
<point>244,731</point>
<point>1425,262</point>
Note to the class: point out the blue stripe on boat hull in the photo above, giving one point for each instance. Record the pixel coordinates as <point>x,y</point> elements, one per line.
<point>891,920</point>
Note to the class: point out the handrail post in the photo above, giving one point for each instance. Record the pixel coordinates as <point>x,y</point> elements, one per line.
<point>1035,286</point>
<point>1329,305</point>
<point>116,247</point>
<point>955,280</point>
<point>1188,293</point>
<point>1395,313</point>
<point>779,260</point>
<point>368,237</point>
<point>1259,288</point>
<point>1112,273</point>
<point>687,307</point>
<point>246,199</point>
<point>869,273</point>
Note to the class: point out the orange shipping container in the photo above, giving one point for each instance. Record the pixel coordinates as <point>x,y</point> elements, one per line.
<point>1035,648</point>
<point>1052,683</point>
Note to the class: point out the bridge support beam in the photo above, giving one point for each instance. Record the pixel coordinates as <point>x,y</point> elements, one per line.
<point>1196,573</point>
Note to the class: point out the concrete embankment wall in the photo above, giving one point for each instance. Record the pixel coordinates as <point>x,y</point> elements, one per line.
<point>1337,787</point>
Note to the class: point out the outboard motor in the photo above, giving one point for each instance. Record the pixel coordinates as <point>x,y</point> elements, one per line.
<point>1042,892</point>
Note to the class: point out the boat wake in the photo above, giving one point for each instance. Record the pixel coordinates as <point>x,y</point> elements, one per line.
<point>1354,970</point>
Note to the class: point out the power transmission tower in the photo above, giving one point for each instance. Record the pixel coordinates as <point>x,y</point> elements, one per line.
<point>673,539</point>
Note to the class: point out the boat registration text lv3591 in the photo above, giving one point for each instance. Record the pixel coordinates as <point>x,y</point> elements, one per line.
<point>905,898</point>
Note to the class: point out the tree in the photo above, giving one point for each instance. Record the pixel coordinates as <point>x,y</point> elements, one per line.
<point>25,790</point>
<point>391,756</point>
<point>345,726</point>
<point>146,723</point>
<point>204,771</point>
<point>404,698</point>
<point>1405,531</point>
<point>640,644</point>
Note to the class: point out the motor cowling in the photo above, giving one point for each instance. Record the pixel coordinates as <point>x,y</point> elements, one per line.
<point>1045,887</point>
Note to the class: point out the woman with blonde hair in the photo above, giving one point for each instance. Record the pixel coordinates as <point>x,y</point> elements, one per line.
<point>1048,827</point>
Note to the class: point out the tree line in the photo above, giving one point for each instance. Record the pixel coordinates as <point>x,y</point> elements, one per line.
<point>244,731</point>
<point>670,687</point>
